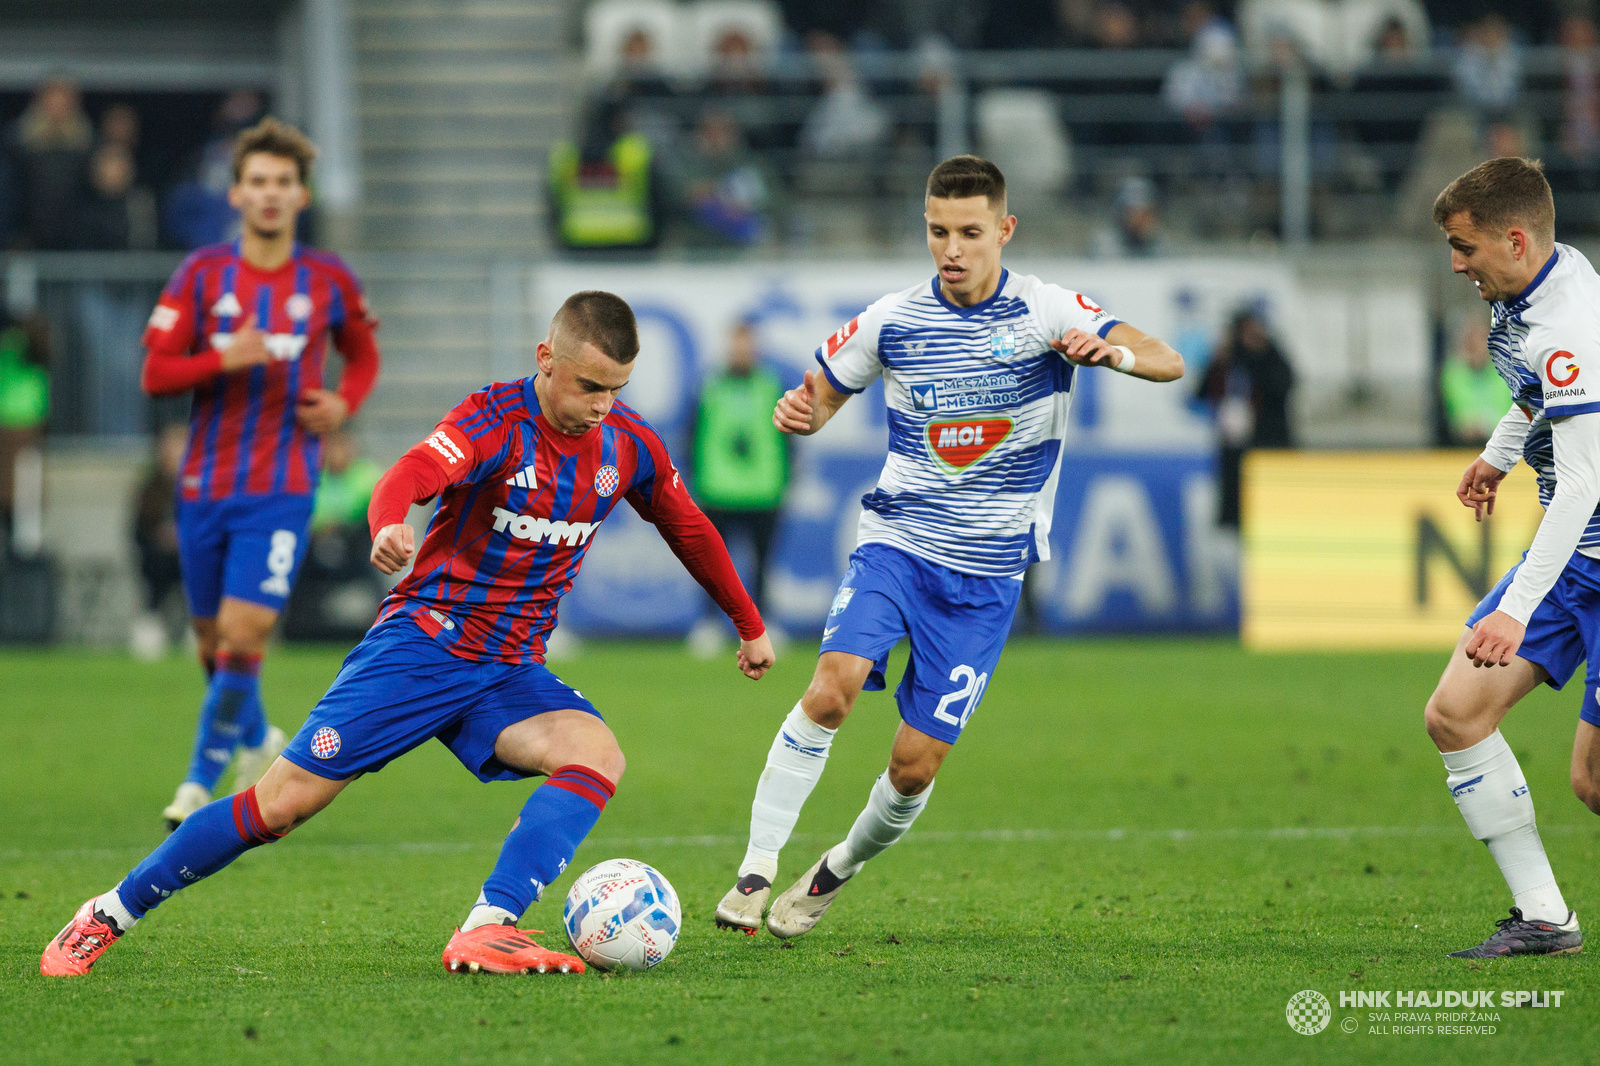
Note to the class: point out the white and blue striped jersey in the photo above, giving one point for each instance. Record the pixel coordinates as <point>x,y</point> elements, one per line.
<point>978,405</point>
<point>1545,343</point>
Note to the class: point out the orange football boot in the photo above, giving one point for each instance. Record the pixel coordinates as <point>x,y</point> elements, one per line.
<point>504,949</point>
<point>74,950</point>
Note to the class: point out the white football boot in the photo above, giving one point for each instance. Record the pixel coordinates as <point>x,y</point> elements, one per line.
<point>800,907</point>
<point>744,904</point>
<point>251,763</point>
<point>189,798</point>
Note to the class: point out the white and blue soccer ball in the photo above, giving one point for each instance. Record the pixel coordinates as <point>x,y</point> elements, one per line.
<point>622,915</point>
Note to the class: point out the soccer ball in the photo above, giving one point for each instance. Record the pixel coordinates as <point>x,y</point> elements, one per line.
<point>622,915</point>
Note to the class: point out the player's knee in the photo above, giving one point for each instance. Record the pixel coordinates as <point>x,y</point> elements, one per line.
<point>610,764</point>
<point>1586,788</point>
<point>828,702</point>
<point>912,776</point>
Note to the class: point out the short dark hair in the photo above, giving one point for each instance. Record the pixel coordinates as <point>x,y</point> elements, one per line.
<point>602,319</point>
<point>275,138</point>
<point>1501,193</point>
<point>962,176</point>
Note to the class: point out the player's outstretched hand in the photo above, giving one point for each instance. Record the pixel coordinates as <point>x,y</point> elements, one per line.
<point>795,408</point>
<point>1478,487</point>
<point>756,656</point>
<point>1495,640</point>
<point>392,547</point>
<point>1087,349</point>
<point>320,411</point>
<point>249,347</point>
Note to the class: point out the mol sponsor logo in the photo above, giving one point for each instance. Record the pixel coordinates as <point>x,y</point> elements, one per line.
<point>526,527</point>
<point>957,445</point>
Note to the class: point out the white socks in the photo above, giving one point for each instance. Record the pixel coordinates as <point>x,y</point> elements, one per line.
<point>1492,794</point>
<point>485,913</point>
<point>884,820</point>
<point>794,765</point>
<point>112,907</point>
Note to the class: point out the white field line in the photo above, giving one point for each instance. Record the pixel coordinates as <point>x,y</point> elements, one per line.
<point>936,836</point>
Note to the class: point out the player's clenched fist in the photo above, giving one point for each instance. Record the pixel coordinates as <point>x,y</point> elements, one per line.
<point>797,406</point>
<point>392,548</point>
<point>756,656</point>
<point>249,347</point>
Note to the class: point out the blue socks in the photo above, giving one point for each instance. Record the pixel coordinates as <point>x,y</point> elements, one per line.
<point>231,715</point>
<point>553,823</point>
<point>208,840</point>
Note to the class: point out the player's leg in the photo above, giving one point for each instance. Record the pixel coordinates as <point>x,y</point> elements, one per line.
<point>202,560</point>
<point>206,841</point>
<point>579,757</point>
<point>1586,763</point>
<point>231,715</point>
<point>958,628</point>
<point>1463,718</point>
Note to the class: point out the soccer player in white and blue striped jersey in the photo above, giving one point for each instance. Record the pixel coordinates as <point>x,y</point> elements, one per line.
<point>978,367</point>
<point>1543,618</point>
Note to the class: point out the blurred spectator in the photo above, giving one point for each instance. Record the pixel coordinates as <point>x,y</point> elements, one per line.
<point>117,214</point>
<point>155,538</point>
<point>337,594</point>
<point>722,189</point>
<point>735,67</point>
<point>845,121</point>
<point>1505,138</point>
<point>1580,89</point>
<point>345,490</point>
<point>1393,43</point>
<point>604,191</point>
<point>1474,396</point>
<point>1488,69</point>
<point>24,402</point>
<point>1247,387</point>
<point>119,125</point>
<point>1190,334</point>
<point>1115,25</point>
<point>739,460</point>
<point>1209,83</point>
<point>1136,230</point>
<point>639,69</point>
<point>196,211</point>
<point>50,146</point>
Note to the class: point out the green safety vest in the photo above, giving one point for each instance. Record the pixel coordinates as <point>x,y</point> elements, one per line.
<point>741,460</point>
<point>24,388</point>
<point>599,216</point>
<point>1476,398</point>
<point>342,499</point>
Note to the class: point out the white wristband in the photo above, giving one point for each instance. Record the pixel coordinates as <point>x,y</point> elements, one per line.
<point>1125,364</point>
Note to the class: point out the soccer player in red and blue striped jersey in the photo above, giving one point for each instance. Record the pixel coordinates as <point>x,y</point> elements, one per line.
<point>525,472</point>
<point>246,327</point>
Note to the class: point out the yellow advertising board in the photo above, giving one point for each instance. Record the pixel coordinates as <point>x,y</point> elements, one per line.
<point>1371,549</point>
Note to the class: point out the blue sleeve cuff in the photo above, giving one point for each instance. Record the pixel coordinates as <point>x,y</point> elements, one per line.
<point>1575,409</point>
<point>1108,326</point>
<point>835,382</point>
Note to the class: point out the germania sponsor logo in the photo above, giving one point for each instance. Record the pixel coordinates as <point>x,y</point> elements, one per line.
<point>840,335</point>
<point>1089,305</point>
<point>1561,363</point>
<point>227,306</point>
<point>606,480</point>
<point>526,527</point>
<point>163,317</point>
<point>440,442</point>
<point>957,445</point>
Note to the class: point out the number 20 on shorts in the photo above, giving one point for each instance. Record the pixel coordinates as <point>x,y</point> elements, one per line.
<point>971,690</point>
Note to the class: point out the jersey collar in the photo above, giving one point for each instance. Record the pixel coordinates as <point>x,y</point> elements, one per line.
<point>978,308</point>
<point>1544,272</point>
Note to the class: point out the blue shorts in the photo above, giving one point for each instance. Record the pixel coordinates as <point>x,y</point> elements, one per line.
<point>247,547</point>
<point>399,687</point>
<point>957,624</point>
<point>1563,630</point>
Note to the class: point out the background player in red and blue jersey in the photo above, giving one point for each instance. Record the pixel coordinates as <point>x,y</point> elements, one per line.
<point>246,327</point>
<point>525,471</point>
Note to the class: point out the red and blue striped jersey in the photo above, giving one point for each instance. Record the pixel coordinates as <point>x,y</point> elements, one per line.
<point>243,434</point>
<point>522,506</point>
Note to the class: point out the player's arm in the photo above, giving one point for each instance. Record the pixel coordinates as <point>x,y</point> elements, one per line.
<point>170,368</point>
<point>443,458</point>
<point>1577,459</point>
<point>355,338</point>
<point>1481,481</point>
<point>663,501</point>
<point>1123,349</point>
<point>806,408</point>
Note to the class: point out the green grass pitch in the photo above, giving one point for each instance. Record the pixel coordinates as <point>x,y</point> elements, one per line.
<point>1137,854</point>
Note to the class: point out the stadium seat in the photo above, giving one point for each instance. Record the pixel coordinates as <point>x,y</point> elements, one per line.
<point>709,23</point>
<point>1021,130</point>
